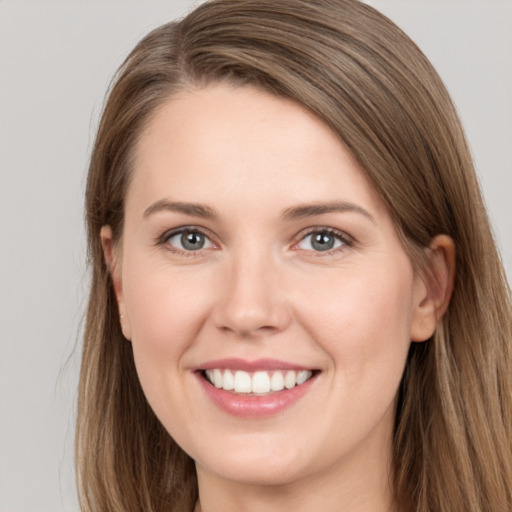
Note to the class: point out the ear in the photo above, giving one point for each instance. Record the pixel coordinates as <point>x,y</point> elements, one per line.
<point>433,288</point>
<point>112,259</point>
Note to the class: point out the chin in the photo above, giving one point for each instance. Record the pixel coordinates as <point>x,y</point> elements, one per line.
<point>260,464</point>
<point>255,473</point>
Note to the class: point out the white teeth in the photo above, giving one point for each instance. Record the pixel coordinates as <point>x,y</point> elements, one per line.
<point>217,378</point>
<point>260,382</point>
<point>277,381</point>
<point>242,382</point>
<point>229,381</point>
<point>303,376</point>
<point>290,379</point>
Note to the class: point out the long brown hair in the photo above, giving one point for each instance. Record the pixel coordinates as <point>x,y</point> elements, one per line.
<point>360,74</point>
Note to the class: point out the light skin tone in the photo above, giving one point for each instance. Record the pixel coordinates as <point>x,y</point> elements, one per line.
<point>239,171</point>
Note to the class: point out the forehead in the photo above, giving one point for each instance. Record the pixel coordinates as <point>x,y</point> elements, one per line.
<point>224,141</point>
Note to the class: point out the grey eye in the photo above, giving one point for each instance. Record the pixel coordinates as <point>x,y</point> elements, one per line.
<point>189,241</point>
<point>320,241</point>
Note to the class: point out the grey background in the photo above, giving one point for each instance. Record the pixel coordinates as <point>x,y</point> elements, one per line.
<point>56,60</point>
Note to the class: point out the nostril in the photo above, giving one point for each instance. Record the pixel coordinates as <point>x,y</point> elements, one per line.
<point>251,307</point>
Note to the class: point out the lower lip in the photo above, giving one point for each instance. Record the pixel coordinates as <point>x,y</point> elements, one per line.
<point>247,406</point>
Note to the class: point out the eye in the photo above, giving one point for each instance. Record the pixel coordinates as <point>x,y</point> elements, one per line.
<point>188,240</point>
<point>323,240</point>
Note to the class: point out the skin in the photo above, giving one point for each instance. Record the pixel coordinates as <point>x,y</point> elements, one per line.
<point>259,289</point>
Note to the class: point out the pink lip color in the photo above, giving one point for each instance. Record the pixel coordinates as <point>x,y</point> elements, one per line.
<point>247,406</point>
<point>251,366</point>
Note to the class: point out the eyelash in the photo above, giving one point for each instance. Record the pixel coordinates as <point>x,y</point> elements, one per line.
<point>164,240</point>
<point>345,239</point>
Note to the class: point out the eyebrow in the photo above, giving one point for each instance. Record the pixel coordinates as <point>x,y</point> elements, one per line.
<point>293,213</point>
<point>194,209</point>
<point>314,209</point>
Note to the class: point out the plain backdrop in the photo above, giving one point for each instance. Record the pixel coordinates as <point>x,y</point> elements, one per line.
<point>56,60</point>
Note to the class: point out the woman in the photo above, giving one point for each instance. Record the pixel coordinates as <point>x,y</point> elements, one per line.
<point>296,298</point>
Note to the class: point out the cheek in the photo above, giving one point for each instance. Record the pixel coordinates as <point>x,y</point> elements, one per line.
<point>166,309</point>
<point>162,313</point>
<point>362,320</point>
<point>166,313</point>
<point>365,331</point>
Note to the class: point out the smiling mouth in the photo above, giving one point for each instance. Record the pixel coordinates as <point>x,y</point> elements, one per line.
<point>258,383</point>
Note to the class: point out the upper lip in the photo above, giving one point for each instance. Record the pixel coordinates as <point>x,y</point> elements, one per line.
<point>252,366</point>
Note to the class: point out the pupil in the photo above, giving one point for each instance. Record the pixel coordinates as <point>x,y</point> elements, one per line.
<point>322,242</point>
<point>192,241</point>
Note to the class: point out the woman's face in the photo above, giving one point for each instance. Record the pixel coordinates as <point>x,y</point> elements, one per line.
<point>256,255</point>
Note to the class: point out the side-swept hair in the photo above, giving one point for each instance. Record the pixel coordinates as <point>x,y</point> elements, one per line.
<point>363,77</point>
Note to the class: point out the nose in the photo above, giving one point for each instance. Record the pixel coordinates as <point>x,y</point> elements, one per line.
<point>253,302</point>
